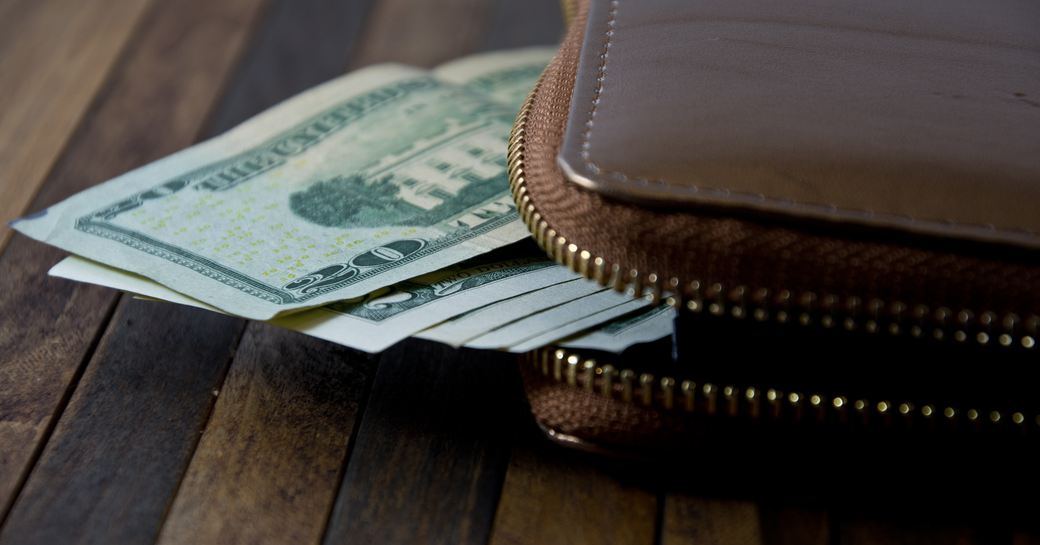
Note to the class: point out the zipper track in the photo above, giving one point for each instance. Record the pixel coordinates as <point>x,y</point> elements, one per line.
<point>805,308</point>
<point>673,394</point>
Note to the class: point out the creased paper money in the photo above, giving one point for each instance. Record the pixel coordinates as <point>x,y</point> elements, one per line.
<point>558,320</point>
<point>362,182</point>
<point>375,321</point>
<point>349,196</point>
<point>462,329</point>
<point>640,327</point>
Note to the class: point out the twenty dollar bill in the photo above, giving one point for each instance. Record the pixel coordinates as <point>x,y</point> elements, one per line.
<point>370,179</point>
<point>377,320</point>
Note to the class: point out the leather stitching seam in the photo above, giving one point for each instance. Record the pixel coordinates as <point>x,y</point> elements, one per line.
<point>593,168</point>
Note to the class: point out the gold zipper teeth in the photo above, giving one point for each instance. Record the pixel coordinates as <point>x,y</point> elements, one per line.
<point>709,399</point>
<point>744,302</point>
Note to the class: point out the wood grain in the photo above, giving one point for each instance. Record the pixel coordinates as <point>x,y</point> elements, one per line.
<point>298,44</point>
<point>429,456</point>
<point>709,521</point>
<point>50,324</point>
<point>690,518</point>
<point>862,530</point>
<point>422,33</point>
<point>785,524</point>
<point>442,451</point>
<point>53,58</point>
<point>122,444</point>
<point>554,497</point>
<point>268,465</point>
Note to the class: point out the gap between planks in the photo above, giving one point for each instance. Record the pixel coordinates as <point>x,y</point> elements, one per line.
<point>45,348</point>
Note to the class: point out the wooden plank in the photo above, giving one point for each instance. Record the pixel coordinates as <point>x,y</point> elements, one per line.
<point>43,349</point>
<point>696,514</point>
<point>784,524</point>
<point>427,461</point>
<point>121,446</point>
<point>709,521</point>
<point>555,497</point>
<point>267,467</point>
<point>422,33</point>
<point>299,44</point>
<point>549,496</point>
<point>53,58</point>
<point>912,528</point>
<point>49,326</point>
<point>531,22</point>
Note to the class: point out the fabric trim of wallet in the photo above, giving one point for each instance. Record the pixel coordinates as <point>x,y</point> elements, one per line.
<point>755,252</point>
<point>603,422</point>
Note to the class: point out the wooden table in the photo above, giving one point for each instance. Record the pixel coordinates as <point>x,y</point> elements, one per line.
<point>125,421</point>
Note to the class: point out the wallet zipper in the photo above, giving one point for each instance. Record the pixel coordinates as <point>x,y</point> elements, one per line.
<point>741,302</point>
<point>675,394</point>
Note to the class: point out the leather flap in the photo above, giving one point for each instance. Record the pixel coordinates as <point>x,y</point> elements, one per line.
<point>922,116</point>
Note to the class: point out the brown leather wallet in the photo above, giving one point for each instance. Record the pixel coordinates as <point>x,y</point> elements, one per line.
<point>841,198</point>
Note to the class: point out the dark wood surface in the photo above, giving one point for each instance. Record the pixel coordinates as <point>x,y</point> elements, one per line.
<point>126,421</point>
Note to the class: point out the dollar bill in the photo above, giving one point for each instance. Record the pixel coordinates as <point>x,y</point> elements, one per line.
<point>615,336</point>
<point>555,334</point>
<point>462,329</point>
<point>91,272</point>
<point>377,320</point>
<point>362,182</point>
<point>557,320</point>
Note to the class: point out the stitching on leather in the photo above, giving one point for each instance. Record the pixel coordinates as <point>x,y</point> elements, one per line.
<point>592,167</point>
<point>601,76</point>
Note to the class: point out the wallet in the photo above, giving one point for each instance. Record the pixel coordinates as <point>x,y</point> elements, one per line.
<point>841,200</point>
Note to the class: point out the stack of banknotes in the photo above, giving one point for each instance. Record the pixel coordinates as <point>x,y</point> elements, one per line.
<point>369,209</point>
